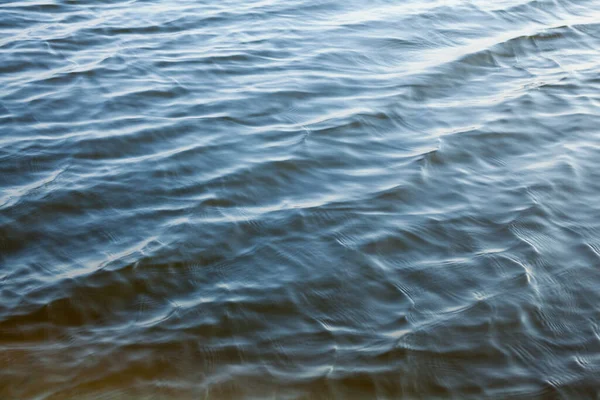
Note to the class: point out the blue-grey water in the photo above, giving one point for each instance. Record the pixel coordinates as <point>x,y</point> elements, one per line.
<point>302,199</point>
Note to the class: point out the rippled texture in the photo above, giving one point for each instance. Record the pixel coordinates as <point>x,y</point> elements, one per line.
<point>299,199</point>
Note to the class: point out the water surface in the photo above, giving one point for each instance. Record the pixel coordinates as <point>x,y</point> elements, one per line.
<point>303,199</point>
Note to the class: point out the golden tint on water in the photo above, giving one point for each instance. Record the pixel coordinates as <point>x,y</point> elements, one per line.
<point>299,199</point>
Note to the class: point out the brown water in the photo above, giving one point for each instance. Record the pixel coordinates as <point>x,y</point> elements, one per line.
<point>299,199</point>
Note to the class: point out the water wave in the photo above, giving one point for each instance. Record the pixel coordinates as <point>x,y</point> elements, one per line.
<point>301,199</point>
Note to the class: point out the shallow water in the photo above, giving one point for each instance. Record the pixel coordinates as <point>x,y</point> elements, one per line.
<point>299,199</point>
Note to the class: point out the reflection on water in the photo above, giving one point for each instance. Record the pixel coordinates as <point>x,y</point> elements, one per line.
<point>299,199</point>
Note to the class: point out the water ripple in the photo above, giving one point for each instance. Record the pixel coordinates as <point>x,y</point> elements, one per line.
<point>302,200</point>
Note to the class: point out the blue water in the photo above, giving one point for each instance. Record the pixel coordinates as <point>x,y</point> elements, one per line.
<point>300,199</point>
